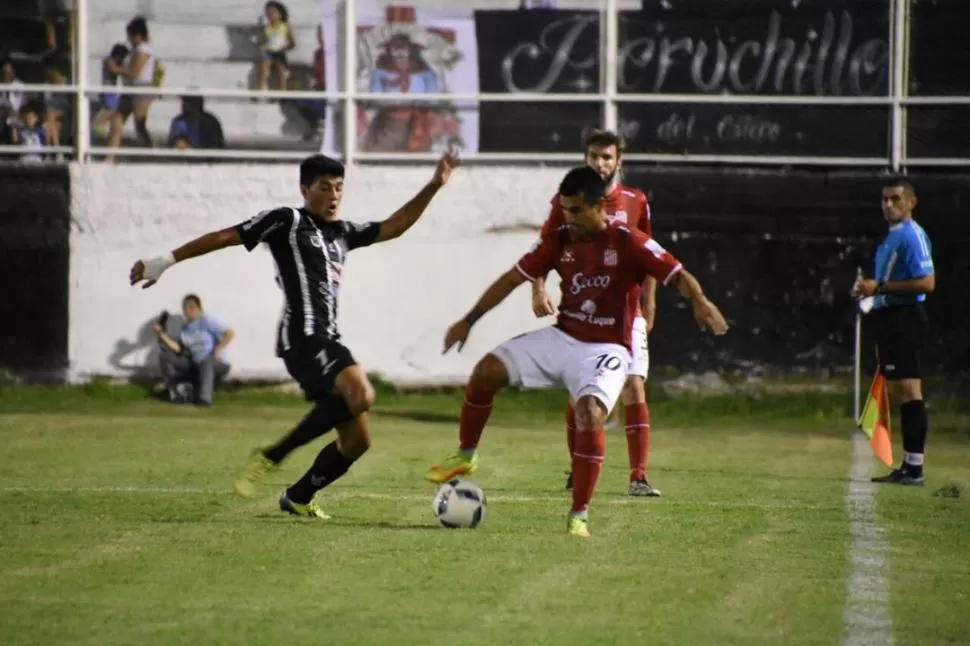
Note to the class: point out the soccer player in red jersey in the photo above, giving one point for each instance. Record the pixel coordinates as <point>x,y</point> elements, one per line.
<point>629,206</point>
<point>588,349</point>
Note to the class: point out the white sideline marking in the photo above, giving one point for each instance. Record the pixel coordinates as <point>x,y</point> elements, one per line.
<point>867,617</point>
<point>408,497</point>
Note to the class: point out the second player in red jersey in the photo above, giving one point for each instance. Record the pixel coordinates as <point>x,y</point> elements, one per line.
<point>588,350</point>
<point>629,206</point>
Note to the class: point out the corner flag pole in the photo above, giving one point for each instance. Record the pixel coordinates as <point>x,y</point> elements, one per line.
<point>857,365</point>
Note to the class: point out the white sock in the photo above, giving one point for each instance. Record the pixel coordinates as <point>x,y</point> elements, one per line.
<point>913,459</point>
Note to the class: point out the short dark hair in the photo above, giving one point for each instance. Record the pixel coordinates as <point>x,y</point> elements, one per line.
<point>584,181</point>
<point>316,166</point>
<point>33,105</point>
<point>606,138</point>
<point>192,298</point>
<point>119,51</point>
<point>899,181</point>
<point>138,26</point>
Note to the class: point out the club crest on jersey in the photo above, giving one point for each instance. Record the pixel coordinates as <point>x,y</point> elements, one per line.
<point>567,256</point>
<point>610,258</point>
<point>619,216</point>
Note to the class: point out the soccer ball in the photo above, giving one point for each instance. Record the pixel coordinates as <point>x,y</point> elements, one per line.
<point>459,504</point>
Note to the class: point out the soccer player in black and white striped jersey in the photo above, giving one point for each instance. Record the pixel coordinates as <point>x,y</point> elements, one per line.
<point>310,246</point>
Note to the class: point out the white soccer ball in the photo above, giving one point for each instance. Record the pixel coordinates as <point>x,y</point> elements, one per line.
<point>459,504</point>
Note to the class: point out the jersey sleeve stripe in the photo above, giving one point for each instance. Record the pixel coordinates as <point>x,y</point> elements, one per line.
<point>523,272</point>
<point>673,272</point>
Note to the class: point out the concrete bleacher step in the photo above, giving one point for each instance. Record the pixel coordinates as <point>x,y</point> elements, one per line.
<point>174,42</point>
<point>205,74</point>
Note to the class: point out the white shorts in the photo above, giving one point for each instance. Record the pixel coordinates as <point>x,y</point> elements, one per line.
<point>549,357</point>
<point>640,366</point>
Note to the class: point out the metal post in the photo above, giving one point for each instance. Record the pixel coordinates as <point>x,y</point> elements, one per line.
<point>899,49</point>
<point>82,119</point>
<point>857,361</point>
<point>350,81</point>
<point>611,50</point>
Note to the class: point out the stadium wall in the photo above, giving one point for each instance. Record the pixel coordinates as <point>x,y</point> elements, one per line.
<point>776,249</point>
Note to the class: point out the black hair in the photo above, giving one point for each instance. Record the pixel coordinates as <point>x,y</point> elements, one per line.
<point>316,166</point>
<point>584,181</point>
<point>33,105</point>
<point>284,14</point>
<point>119,51</point>
<point>899,181</point>
<point>138,26</point>
<point>193,299</point>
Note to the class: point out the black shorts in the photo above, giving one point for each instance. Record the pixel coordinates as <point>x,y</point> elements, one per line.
<point>900,335</point>
<point>315,363</point>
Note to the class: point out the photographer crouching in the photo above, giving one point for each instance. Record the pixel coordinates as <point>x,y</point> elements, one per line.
<point>196,363</point>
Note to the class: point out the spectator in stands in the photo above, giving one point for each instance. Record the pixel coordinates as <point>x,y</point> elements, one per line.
<point>195,364</point>
<point>276,40</point>
<point>10,100</point>
<point>140,71</point>
<point>29,132</point>
<point>109,114</point>
<point>60,105</point>
<point>194,127</point>
<point>59,21</point>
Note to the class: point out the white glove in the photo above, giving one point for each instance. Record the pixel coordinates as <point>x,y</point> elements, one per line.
<point>155,267</point>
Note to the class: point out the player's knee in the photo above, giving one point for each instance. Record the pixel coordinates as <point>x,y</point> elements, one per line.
<point>490,374</point>
<point>634,390</point>
<point>359,395</point>
<point>590,413</point>
<point>353,441</point>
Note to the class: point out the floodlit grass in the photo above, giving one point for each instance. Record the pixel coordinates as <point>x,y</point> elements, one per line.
<point>118,526</point>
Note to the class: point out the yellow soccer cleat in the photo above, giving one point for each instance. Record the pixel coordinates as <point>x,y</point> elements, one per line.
<point>455,466</point>
<point>309,510</point>
<point>258,467</point>
<point>577,526</point>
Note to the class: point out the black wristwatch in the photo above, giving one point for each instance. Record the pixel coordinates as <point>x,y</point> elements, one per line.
<point>880,288</point>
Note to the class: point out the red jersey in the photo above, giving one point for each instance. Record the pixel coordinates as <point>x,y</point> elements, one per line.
<point>598,274</point>
<point>625,205</point>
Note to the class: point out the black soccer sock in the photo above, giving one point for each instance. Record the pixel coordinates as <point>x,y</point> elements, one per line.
<point>328,467</point>
<point>915,429</point>
<point>327,413</point>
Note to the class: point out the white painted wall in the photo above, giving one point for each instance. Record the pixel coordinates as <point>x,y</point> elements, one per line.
<point>397,299</point>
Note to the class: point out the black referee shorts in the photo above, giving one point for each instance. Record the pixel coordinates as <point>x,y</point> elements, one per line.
<point>315,363</point>
<point>900,334</point>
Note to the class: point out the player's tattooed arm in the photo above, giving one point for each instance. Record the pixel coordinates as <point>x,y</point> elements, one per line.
<point>495,294</point>
<point>406,216</point>
<point>706,313</point>
<point>151,270</point>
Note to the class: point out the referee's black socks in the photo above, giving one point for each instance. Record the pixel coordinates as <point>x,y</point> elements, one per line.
<point>328,467</point>
<point>915,428</point>
<point>327,413</point>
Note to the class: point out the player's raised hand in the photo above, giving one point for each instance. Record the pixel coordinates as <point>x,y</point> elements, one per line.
<point>448,162</point>
<point>708,317</point>
<point>149,270</point>
<point>457,333</point>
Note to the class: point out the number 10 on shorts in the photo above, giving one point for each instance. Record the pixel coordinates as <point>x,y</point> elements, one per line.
<point>608,362</point>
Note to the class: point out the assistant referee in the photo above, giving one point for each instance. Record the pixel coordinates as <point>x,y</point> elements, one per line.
<point>904,276</point>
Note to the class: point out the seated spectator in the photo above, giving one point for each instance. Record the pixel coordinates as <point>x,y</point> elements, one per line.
<point>10,100</point>
<point>60,106</point>
<point>195,364</point>
<point>276,39</point>
<point>29,132</point>
<point>194,127</point>
<point>109,115</point>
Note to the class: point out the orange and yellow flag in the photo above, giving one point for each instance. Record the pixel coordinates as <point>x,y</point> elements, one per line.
<point>875,420</point>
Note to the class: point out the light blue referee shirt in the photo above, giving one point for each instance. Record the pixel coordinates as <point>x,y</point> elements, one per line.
<point>905,254</point>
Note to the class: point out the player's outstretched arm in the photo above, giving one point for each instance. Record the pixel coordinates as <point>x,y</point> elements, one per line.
<point>151,270</point>
<point>495,294</point>
<point>706,313</point>
<point>405,217</point>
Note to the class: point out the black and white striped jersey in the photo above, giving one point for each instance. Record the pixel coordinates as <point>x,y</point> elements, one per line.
<point>310,257</point>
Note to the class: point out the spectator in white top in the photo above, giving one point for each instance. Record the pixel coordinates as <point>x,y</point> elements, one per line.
<point>29,132</point>
<point>10,100</point>
<point>138,72</point>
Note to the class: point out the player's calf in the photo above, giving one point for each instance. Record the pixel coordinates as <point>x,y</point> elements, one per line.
<point>587,458</point>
